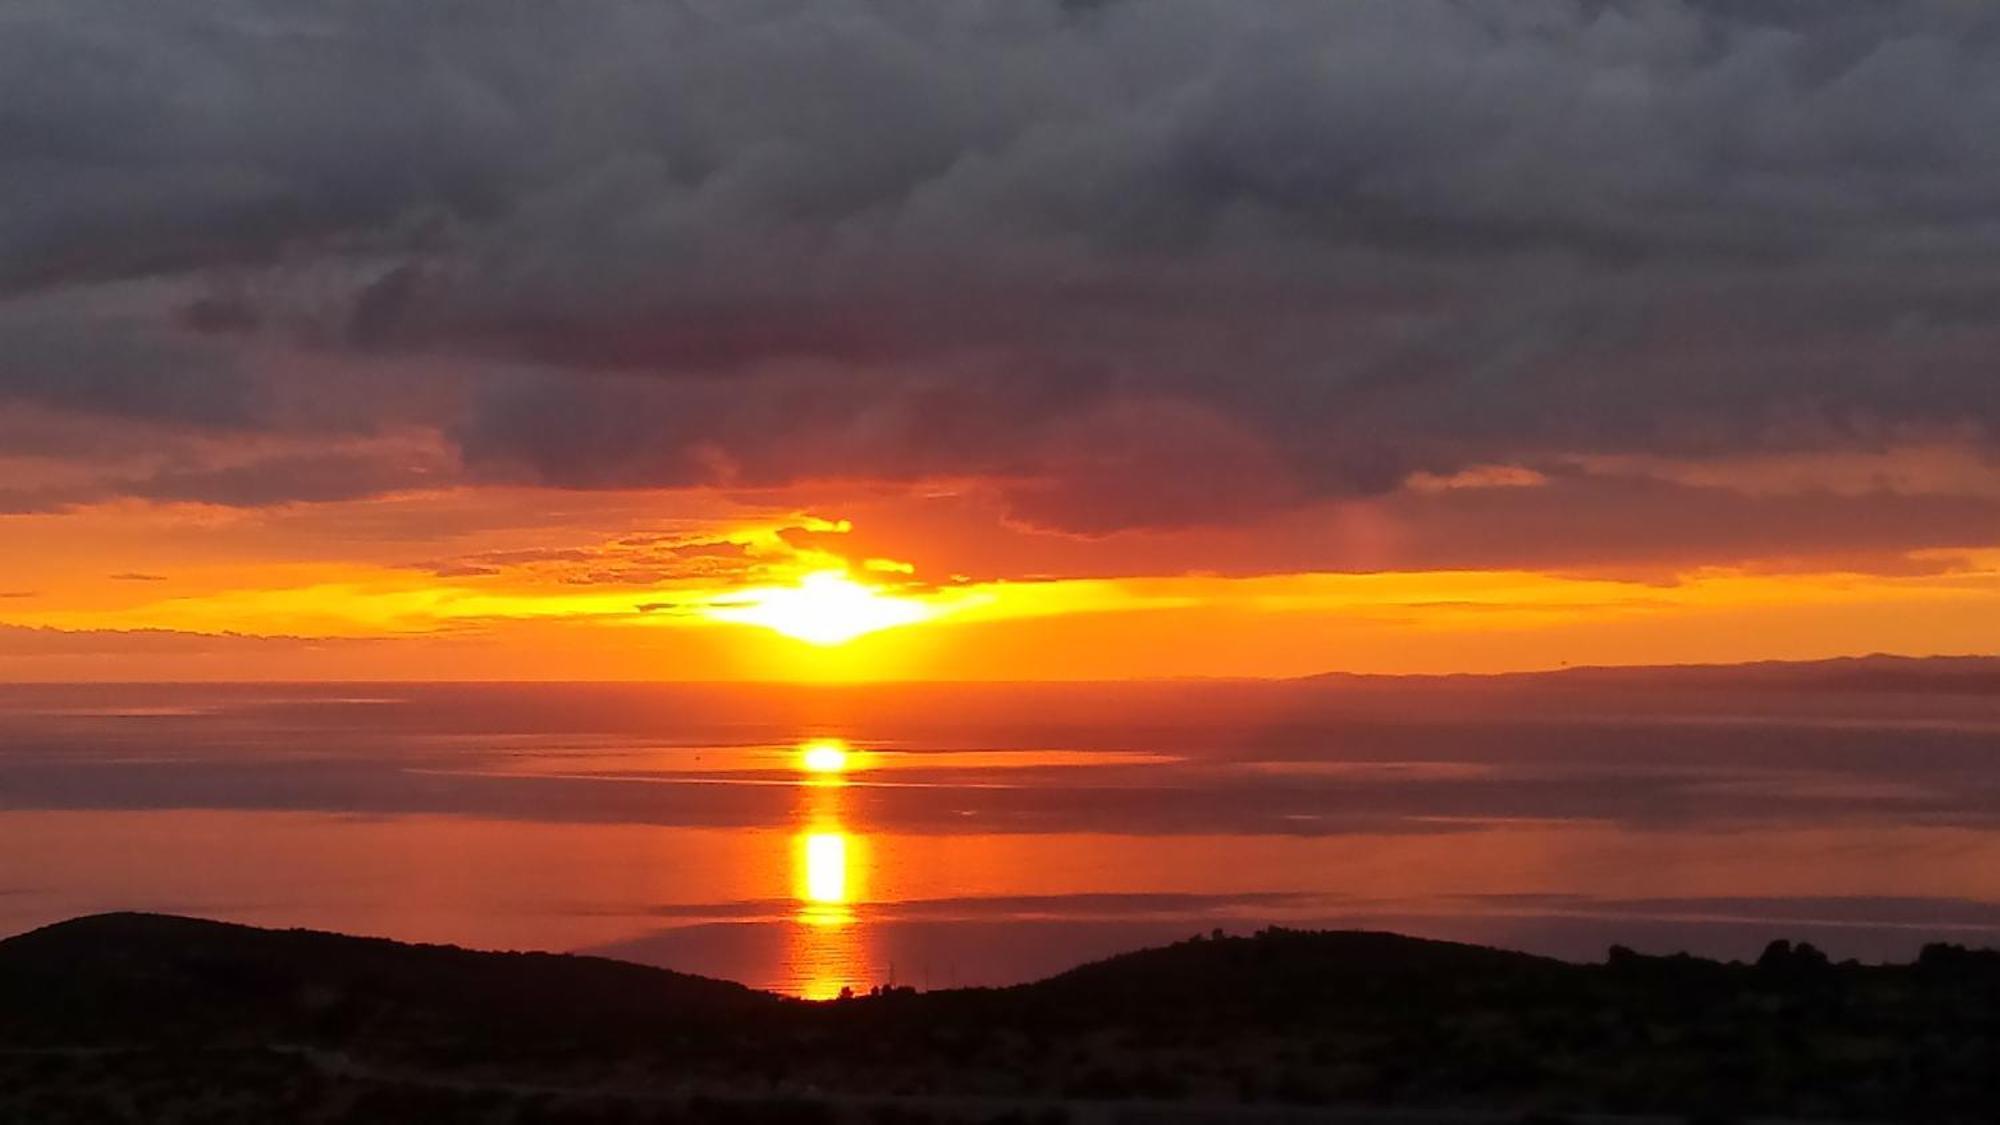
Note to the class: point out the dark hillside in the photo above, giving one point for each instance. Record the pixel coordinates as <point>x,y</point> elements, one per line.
<point>1279,978</point>
<point>125,978</point>
<point>1282,1017</point>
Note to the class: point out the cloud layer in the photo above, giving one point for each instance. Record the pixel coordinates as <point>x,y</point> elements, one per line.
<point>1136,263</point>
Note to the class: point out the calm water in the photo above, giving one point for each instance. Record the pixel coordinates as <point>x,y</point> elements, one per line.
<point>992,834</point>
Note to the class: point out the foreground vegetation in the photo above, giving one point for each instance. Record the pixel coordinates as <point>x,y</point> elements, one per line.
<point>149,1018</point>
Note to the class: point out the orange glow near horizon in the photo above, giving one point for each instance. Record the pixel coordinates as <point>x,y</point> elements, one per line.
<point>610,590</point>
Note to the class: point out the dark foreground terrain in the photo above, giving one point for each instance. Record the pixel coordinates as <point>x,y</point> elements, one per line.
<point>148,1018</point>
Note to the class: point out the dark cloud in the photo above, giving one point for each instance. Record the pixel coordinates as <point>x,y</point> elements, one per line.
<point>310,477</point>
<point>72,354</point>
<point>462,570</point>
<point>28,641</point>
<point>314,475</point>
<point>643,560</point>
<point>1144,263</point>
<point>1636,522</point>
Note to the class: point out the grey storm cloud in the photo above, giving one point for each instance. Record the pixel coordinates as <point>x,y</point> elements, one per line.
<point>1145,261</point>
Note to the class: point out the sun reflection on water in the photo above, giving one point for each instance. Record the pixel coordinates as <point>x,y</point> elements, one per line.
<point>829,948</point>
<point>824,891</point>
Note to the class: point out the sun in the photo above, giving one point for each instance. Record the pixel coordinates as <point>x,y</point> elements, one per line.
<point>824,608</point>
<point>826,756</point>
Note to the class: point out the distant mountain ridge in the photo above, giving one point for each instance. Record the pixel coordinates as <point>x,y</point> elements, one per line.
<point>1873,672</point>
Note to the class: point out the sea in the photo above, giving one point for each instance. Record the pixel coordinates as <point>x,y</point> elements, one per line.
<point>810,839</point>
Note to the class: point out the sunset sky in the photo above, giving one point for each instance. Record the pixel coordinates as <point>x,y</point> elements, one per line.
<point>993,339</point>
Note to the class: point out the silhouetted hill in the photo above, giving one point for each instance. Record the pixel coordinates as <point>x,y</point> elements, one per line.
<point>317,1027</point>
<point>121,978</point>
<point>1278,978</point>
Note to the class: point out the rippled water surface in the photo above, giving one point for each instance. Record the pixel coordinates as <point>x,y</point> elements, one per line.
<point>810,839</point>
